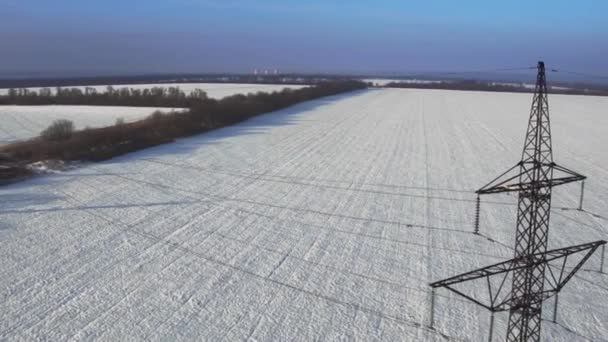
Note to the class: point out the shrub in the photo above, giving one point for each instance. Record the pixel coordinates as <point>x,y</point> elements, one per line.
<point>59,130</point>
<point>156,115</point>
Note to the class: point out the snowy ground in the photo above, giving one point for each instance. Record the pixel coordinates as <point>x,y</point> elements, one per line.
<point>213,90</point>
<point>323,221</point>
<point>23,122</point>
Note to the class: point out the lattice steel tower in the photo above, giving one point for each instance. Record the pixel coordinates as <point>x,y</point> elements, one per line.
<point>533,179</point>
<point>534,205</point>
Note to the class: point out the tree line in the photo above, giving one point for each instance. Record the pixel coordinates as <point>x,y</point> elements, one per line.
<point>206,114</point>
<point>172,97</point>
<point>475,85</point>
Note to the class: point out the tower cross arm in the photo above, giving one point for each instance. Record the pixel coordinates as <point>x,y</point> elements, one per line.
<point>509,181</point>
<point>515,264</point>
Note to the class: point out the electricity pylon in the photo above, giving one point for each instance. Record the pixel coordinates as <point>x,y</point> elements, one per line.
<point>533,179</point>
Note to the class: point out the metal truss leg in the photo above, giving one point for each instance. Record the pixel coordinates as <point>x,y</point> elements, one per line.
<point>555,307</point>
<point>477,205</point>
<point>491,327</point>
<point>580,202</point>
<point>602,255</point>
<point>432,318</point>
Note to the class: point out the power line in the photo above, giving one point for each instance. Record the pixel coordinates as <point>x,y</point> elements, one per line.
<point>578,73</point>
<point>491,70</point>
<point>473,71</point>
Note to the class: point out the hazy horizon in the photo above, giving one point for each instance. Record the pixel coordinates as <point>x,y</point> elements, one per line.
<point>72,38</point>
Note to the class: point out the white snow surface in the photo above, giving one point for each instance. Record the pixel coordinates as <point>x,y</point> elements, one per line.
<point>213,90</point>
<point>322,221</point>
<point>23,122</point>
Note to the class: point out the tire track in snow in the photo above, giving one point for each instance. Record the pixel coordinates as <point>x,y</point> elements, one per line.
<point>429,235</point>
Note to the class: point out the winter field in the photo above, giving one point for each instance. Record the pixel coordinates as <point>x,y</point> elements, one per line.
<point>323,221</point>
<point>213,90</point>
<point>23,122</point>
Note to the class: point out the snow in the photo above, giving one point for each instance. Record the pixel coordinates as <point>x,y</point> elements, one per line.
<point>323,221</point>
<point>23,122</point>
<point>213,90</point>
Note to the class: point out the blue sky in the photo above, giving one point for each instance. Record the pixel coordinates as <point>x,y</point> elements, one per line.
<point>384,36</point>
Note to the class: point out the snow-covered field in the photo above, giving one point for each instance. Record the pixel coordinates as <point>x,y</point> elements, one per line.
<point>23,122</point>
<point>323,221</point>
<point>213,90</point>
